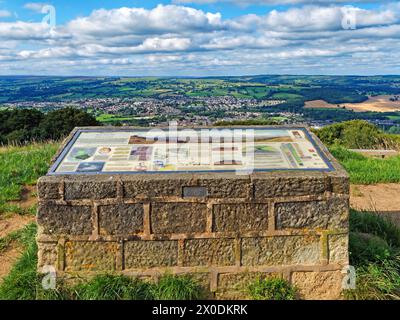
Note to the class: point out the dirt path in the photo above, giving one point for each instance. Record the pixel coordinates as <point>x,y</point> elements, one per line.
<point>382,198</point>
<point>13,222</point>
<point>8,258</point>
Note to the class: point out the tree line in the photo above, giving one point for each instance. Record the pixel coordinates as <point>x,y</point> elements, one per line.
<point>20,126</point>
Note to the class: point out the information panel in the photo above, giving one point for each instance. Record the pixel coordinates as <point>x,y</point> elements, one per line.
<point>190,150</point>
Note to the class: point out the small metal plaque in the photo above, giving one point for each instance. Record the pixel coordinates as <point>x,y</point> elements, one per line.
<point>194,192</point>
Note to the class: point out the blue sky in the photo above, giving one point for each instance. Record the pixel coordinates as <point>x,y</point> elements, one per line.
<point>200,37</point>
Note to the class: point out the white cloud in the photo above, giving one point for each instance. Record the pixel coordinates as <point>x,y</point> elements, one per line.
<point>174,39</point>
<point>162,19</point>
<point>35,6</point>
<point>274,2</point>
<point>5,14</point>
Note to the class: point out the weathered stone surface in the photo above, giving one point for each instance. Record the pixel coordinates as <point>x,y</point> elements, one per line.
<point>209,252</point>
<point>280,250</point>
<point>63,219</point>
<point>91,256</point>
<point>75,190</point>
<point>47,255</point>
<point>121,219</point>
<point>139,254</point>
<point>226,188</point>
<point>240,217</point>
<point>338,248</point>
<point>178,217</point>
<point>148,188</point>
<point>340,184</point>
<point>234,286</point>
<point>49,188</point>
<point>318,285</point>
<point>289,186</point>
<point>203,279</point>
<point>331,214</point>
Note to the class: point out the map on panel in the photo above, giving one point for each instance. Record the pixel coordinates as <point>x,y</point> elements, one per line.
<point>189,150</point>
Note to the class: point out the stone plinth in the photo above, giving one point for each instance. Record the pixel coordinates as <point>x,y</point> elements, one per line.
<point>224,229</point>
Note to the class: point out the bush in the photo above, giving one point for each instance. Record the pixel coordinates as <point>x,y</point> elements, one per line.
<point>372,223</point>
<point>171,287</point>
<point>366,248</point>
<point>357,134</point>
<point>272,289</point>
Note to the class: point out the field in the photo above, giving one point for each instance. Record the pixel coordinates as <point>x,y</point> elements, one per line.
<point>380,103</point>
<point>333,89</point>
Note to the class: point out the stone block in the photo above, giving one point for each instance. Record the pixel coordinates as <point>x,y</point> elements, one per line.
<point>47,255</point>
<point>209,252</point>
<point>338,248</point>
<point>64,219</point>
<point>280,250</point>
<point>178,217</point>
<point>147,254</point>
<point>330,214</point>
<point>90,189</point>
<point>226,188</point>
<point>91,256</point>
<point>121,219</point>
<point>340,185</point>
<point>49,188</point>
<point>285,186</point>
<point>318,285</point>
<point>240,217</point>
<point>148,188</point>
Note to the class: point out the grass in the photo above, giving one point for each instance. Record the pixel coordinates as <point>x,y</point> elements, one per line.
<point>272,289</point>
<point>172,287</point>
<point>21,166</point>
<point>363,170</point>
<point>374,224</point>
<point>21,282</point>
<point>113,287</point>
<point>375,253</point>
<point>23,236</point>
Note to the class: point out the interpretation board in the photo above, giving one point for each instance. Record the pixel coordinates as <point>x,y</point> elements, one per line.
<point>128,150</point>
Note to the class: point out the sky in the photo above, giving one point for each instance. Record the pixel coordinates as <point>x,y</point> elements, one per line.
<point>199,37</point>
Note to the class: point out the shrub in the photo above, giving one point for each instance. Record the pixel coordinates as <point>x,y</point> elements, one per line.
<point>356,134</point>
<point>366,248</point>
<point>171,287</point>
<point>272,289</point>
<point>372,223</point>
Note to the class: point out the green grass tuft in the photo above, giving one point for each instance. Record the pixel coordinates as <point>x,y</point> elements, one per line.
<point>272,289</point>
<point>172,287</point>
<point>377,281</point>
<point>113,287</point>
